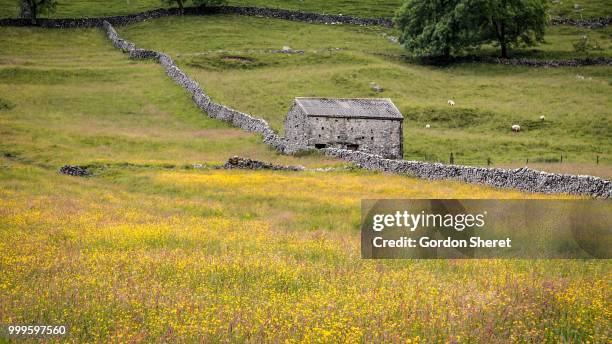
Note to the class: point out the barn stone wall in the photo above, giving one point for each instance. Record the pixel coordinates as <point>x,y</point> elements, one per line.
<point>523,179</point>
<point>296,128</point>
<point>379,136</point>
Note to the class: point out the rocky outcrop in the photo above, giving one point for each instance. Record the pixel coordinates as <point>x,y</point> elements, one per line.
<point>523,179</point>
<point>76,171</point>
<point>249,164</point>
<point>526,62</point>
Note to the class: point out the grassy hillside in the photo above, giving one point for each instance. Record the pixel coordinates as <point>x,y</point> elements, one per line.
<point>585,9</point>
<point>73,98</point>
<point>86,8</point>
<point>363,8</point>
<point>489,98</point>
<point>387,8</point>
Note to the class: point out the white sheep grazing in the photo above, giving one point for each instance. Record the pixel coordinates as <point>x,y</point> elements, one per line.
<point>427,126</point>
<point>542,118</point>
<point>451,102</point>
<point>516,128</point>
<point>579,77</point>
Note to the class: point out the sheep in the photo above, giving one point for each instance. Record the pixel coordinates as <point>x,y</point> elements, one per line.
<point>579,77</point>
<point>516,128</point>
<point>451,102</point>
<point>542,118</point>
<point>376,88</point>
<point>427,126</point>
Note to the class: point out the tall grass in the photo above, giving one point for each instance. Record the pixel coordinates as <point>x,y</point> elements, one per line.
<point>149,255</point>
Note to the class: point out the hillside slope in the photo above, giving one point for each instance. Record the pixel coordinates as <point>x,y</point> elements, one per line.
<point>234,59</point>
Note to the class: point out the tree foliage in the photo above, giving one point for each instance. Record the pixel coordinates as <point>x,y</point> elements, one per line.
<point>514,22</point>
<point>209,2</point>
<point>435,28</point>
<point>33,8</point>
<point>441,28</point>
<point>181,3</point>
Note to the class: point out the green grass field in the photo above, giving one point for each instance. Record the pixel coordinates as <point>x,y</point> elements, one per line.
<point>73,98</point>
<point>363,8</point>
<point>489,98</point>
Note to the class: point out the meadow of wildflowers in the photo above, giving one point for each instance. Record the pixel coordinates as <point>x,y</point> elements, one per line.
<point>252,256</point>
<point>149,249</point>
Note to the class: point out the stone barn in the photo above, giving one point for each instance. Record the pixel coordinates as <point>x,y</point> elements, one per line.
<point>369,125</point>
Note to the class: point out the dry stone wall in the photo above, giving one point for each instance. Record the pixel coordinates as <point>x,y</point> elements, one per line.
<point>591,23</point>
<point>595,61</point>
<point>164,12</point>
<point>307,17</point>
<point>526,62</point>
<point>201,99</point>
<point>237,162</point>
<point>523,179</point>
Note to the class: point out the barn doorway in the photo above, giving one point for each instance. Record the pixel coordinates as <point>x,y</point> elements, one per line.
<point>320,145</point>
<point>352,146</point>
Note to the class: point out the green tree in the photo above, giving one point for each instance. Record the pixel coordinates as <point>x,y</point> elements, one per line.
<point>209,2</point>
<point>181,3</point>
<point>441,28</point>
<point>438,28</point>
<point>33,8</point>
<point>514,22</point>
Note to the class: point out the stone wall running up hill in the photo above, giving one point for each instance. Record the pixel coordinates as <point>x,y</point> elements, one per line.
<point>202,100</point>
<point>523,179</point>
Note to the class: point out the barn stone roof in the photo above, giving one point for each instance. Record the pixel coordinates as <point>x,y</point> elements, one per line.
<point>375,108</point>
